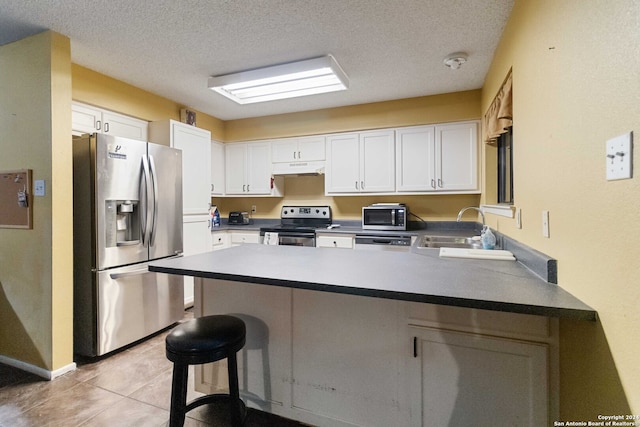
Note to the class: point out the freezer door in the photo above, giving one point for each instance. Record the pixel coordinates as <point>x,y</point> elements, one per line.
<point>120,201</point>
<point>165,165</point>
<point>133,303</point>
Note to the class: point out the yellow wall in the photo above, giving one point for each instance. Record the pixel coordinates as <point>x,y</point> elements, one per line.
<point>575,85</point>
<point>105,92</point>
<point>36,266</point>
<point>405,112</point>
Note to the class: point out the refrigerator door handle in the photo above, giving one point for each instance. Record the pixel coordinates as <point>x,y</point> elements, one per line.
<point>154,180</point>
<point>145,199</point>
<point>116,276</point>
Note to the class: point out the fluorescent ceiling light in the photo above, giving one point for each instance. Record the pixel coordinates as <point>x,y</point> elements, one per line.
<point>308,77</point>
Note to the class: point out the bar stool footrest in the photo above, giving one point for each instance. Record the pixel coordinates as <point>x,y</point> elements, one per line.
<point>213,398</point>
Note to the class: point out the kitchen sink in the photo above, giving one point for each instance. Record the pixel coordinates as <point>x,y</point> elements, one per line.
<point>449,242</point>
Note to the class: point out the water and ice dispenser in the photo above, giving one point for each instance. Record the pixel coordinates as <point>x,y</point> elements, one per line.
<point>122,221</point>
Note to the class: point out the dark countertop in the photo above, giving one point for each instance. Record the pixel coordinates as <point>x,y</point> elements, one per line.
<point>420,277</point>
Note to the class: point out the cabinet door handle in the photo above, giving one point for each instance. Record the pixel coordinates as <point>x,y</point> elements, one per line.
<point>440,182</point>
<point>362,185</point>
<point>247,188</point>
<point>415,346</point>
<point>433,183</point>
<point>299,156</point>
<point>98,124</point>
<point>244,188</point>
<point>106,127</point>
<point>294,154</point>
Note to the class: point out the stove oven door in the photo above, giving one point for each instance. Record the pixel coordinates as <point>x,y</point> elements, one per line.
<point>296,239</point>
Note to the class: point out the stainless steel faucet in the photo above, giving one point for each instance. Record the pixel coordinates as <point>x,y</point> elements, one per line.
<point>466,209</point>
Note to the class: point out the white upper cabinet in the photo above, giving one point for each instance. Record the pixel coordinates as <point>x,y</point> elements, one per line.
<point>415,159</point>
<point>457,157</point>
<point>195,144</point>
<point>442,158</point>
<point>248,169</point>
<point>377,166</point>
<point>310,148</point>
<point>342,170</point>
<point>88,119</point>
<point>217,168</point>
<point>361,162</point>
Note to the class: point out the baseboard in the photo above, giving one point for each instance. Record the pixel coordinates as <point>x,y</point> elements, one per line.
<point>36,370</point>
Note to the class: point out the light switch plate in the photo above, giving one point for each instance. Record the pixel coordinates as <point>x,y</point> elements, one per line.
<point>619,157</point>
<point>39,188</point>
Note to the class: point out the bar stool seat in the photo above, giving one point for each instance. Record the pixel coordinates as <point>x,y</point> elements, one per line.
<point>204,340</point>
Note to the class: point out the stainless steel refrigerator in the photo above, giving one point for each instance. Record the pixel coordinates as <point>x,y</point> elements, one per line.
<point>127,211</point>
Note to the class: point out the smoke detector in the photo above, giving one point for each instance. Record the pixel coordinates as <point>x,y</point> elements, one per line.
<point>455,60</point>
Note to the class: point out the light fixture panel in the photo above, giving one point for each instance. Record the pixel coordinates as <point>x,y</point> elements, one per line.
<point>294,79</point>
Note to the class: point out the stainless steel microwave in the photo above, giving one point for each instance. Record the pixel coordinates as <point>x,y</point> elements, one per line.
<point>382,216</point>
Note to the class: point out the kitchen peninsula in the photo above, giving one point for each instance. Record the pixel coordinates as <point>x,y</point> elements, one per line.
<point>346,337</point>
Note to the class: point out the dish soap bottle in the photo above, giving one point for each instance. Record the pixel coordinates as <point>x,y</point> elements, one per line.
<point>215,217</point>
<point>488,238</point>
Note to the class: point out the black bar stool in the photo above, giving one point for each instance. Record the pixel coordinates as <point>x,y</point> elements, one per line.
<point>203,340</point>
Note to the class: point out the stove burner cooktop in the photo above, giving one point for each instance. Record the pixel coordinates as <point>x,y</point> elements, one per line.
<point>302,219</point>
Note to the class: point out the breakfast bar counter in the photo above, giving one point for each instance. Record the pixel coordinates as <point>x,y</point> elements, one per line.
<point>355,337</point>
<point>419,277</point>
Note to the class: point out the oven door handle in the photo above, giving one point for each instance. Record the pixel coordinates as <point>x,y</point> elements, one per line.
<point>297,235</point>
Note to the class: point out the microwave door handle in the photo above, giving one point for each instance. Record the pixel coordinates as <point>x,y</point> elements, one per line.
<point>144,198</point>
<point>154,183</point>
<point>393,217</point>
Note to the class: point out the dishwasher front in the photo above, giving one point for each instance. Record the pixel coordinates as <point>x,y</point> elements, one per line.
<point>383,242</point>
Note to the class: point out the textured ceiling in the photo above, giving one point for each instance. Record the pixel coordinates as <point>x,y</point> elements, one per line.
<point>390,49</point>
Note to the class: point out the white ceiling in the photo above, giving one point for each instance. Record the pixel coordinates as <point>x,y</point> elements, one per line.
<point>390,49</point>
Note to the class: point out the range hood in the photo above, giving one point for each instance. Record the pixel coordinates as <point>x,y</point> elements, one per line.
<point>298,168</point>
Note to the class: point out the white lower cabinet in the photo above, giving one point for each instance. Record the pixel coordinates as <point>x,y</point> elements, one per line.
<point>220,240</point>
<point>243,237</point>
<point>331,359</point>
<point>331,240</point>
<point>463,379</point>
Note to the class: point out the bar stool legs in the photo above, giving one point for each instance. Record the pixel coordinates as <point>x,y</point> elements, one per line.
<point>204,340</point>
<point>178,395</point>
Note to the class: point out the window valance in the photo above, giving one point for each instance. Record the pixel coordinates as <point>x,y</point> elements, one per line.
<point>499,115</point>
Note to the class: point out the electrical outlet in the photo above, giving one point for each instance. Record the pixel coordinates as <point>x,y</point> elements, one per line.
<point>518,218</point>
<point>253,208</point>
<point>545,223</point>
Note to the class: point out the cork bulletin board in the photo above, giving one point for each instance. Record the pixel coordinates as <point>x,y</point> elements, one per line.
<point>16,209</point>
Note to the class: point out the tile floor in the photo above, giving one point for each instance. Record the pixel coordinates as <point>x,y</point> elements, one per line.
<point>129,388</point>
